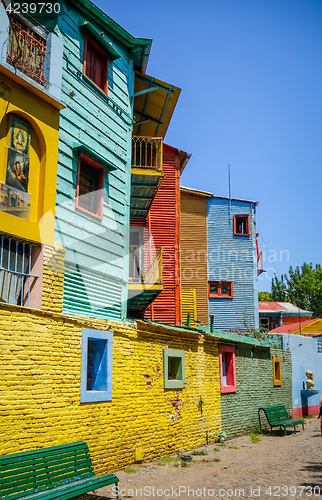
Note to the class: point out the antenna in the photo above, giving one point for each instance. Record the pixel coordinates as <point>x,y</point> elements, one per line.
<point>229,193</point>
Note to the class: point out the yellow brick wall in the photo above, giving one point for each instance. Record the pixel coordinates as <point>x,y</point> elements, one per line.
<point>40,363</point>
<point>53,278</point>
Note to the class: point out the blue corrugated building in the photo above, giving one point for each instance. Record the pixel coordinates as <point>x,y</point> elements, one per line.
<point>232,263</point>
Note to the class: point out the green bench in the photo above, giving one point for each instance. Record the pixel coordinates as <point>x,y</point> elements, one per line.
<point>56,473</point>
<point>277,416</point>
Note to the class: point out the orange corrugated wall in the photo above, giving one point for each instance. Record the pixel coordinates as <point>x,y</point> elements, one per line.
<point>194,248</point>
<point>164,223</point>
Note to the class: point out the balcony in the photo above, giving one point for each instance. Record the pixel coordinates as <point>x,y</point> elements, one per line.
<point>260,268</point>
<point>26,49</point>
<point>145,278</point>
<point>146,174</point>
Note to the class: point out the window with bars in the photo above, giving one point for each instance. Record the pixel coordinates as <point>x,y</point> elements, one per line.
<point>319,345</point>
<point>16,279</point>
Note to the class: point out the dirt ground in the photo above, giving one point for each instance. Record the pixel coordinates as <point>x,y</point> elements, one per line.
<point>277,466</point>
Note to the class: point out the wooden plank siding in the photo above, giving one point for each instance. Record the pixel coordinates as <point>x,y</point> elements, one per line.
<point>193,250</point>
<point>233,258</point>
<point>164,223</point>
<point>96,250</point>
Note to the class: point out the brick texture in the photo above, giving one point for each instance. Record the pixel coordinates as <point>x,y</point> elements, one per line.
<point>53,278</point>
<point>254,377</point>
<point>40,370</point>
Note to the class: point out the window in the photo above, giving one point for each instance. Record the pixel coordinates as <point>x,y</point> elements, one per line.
<point>277,371</point>
<point>174,369</point>
<point>319,345</point>
<point>96,64</point>
<point>15,278</point>
<point>241,225</point>
<point>90,186</point>
<point>220,289</point>
<point>96,372</point>
<point>227,368</point>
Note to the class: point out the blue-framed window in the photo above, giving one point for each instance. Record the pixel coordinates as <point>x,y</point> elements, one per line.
<point>97,361</point>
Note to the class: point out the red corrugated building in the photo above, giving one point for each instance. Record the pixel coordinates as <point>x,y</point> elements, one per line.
<point>164,224</point>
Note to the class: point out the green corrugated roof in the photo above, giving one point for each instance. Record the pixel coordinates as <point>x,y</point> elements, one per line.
<point>234,337</point>
<point>229,337</point>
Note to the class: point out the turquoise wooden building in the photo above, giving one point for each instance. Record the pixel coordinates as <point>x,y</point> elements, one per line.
<point>233,263</point>
<point>94,164</point>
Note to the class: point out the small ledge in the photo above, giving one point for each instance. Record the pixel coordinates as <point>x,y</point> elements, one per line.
<point>99,38</point>
<point>30,85</point>
<point>307,393</point>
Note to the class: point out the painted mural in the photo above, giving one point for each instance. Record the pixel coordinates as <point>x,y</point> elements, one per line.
<point>14,196</point>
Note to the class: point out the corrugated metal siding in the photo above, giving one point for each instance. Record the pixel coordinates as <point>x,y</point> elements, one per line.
<point>232,258</point>
<point>90,120</point>
<point>91,294</point>
<point>164,225</point>
<point>189,305</point>
<point>193,251</point>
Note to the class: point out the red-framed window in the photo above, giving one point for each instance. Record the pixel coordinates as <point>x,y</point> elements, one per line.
<point>227,368</point>
<point>90,187</point>
<point>220,289</point>
<point>241,225</point>
<point>96,64</point>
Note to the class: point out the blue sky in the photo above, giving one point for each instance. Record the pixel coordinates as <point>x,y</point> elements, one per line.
<point>251,78</point>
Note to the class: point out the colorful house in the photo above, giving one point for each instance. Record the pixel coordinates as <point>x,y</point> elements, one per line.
<point>151,177</point>
<point>232,263</point>
<point>253,374</point>
<point>308,327</point>
<point>306,355</point>
<point>194,256</point>
<point>94,160</point>
<point>275,314</point>
<point>30,73</point>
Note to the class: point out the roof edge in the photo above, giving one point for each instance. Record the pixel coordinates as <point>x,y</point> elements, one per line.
<point>131,42</point>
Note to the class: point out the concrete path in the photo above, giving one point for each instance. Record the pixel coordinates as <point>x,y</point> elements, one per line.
<point>279,466</point>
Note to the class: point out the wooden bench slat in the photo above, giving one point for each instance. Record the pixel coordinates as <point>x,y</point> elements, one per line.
<point>68,491</point>
<point>28,455</point>
<point>33,486</point>
<point>44,477</point>
<point>60,472</point>
<point>17,469</point>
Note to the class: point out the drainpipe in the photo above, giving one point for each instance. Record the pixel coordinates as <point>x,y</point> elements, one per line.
<point>188,320</point>
<point>212,317</point>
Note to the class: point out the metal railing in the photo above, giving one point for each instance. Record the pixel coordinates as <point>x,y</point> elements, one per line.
<point>147,152</point>
<point>26,49</point>
<point>140,269</point>
<point>15,277</point>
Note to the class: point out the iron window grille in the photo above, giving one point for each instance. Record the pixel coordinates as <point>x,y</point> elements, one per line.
<point>15,266</point>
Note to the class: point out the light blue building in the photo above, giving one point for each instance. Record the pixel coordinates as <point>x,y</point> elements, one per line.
<point>232,263</point>
<point>94,162</point>
<point>306,355</point>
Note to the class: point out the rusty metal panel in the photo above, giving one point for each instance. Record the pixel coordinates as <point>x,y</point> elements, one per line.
<point>193,251</point>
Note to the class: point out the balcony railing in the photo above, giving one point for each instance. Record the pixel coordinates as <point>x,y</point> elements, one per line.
<point>26,49</point>
<point>147,152</point>
<point>144,268</point>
